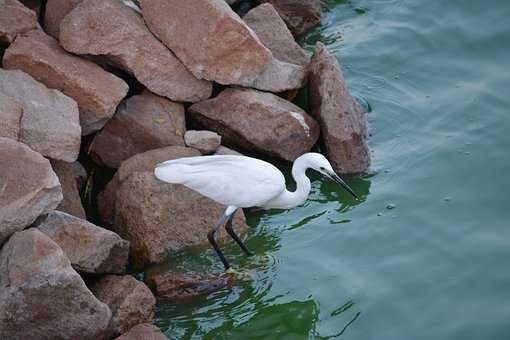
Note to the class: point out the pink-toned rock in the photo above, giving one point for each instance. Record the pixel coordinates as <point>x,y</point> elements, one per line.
<point>143,331</point>
<point>139,163</point>
<point>130,301</point>
<point>56,10</point>
<point>265,21</point>
<point>28,187</point>
<point>261,122</point>
<point>15,19</point>
<point>183,286</point>
<point>142,122</point>
<point>10,117</point>
<point>342,119</point>
<point>50,123</point>
<point>207,142</point>
<point>90,249</point>
<point>278,76</point>
<point>42,297</point>
<point>96,91</point>
<point>299,15</point>
<point>209,38</point>
<point>159,218</point>
<point>110,29</point>
<point>71,176</point>
<point>223,150</point>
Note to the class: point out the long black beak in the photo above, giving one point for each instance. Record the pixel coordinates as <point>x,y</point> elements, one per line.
<point>344,185</point>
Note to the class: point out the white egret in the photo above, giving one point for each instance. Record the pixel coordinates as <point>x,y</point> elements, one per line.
<point>244,182</point>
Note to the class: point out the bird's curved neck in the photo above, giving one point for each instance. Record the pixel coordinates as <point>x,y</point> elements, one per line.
<point>290,199</point>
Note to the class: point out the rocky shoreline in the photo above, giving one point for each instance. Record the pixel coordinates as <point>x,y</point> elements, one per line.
<point>95,93</point>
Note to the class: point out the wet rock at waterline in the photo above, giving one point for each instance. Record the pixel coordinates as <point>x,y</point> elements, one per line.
<point>112,30</point>
<point>299,15</point>
<point>50,123</point>
<point>28,187</point>
<point>10,117</point>
<point>142,162</point>
<point>130,301</point>
<point>71,177</point>
<point>42,297</point>
<point>142,122</point>
<point>209,38</point>
<point>343,120</point>
<point>91,249</point>
<point>56,10</point>
<point>265,21</point>
<point>96,91</point>
<point>159,218</point>
<point>183,286</point>
<point>15,19</point>
<point>207,142</point>
<point>143,331</point>
<point>261,122</point>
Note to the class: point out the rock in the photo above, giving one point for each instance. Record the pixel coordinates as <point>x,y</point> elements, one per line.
<point>28,187</point>
<point>70,176</point>
<point>159,218</point>
<point>343,120</point>
<point>251,120</point>
<point>130,301</point>
<point>34,5</point>
<point>15,19</point>
<point>42,297</point>
<point>56,10</point>
<point>265,21</point>
<point>10,117</point>
<point>96,91</point>
<point>279,76</point>
<point>299,15</point>
<point>50,123</point>
<point>223,150</point>
<point>142,123</point>
<point>90,249</point>
<point>139,163</point>
<point>182,286</point>
<point>143,331</point>
<point>110,29</point>
<point>228,53</point>
<point>204,141</point>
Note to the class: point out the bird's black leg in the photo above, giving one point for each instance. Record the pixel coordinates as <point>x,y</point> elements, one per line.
<point>232,233</point>
<point>210,237</point>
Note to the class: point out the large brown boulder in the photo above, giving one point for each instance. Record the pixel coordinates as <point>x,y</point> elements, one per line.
<point>56,10</point>
<point>342,119</point>
<point>142,122</point>
<point>265,21</point>
<point>42,297</point>
<point>15,19</point>
<point>139,163</point>
<point>261,122</point>
<point>130,301</point>
<point>159,218</point>
<point>71,177</point>
<point>90,249</point>
<point>96,91</point>
<point>110,29</point>
<point>209,38</point>
<point>10,117</point>
<point>28,187</point>
<point>50,123</point>
<point>143,331</point>
<point>299,15</point>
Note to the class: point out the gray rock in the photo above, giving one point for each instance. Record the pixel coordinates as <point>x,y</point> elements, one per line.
<point>71,177</point>
<point>42,297</point>
<point>50,123</point>
<point>28,187</point>
<point>10,117</point>
<point>90,249</point>
<point>143,331</point>
<point>342,119</point>
<point>207,142</point>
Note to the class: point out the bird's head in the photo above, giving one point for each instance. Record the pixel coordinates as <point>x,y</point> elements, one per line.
<point>319,163</point>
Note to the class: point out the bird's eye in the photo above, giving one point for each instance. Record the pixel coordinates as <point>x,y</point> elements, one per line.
<point>322,168</point>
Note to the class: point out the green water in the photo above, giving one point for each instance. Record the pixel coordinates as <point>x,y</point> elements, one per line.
<point>437,264</point>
